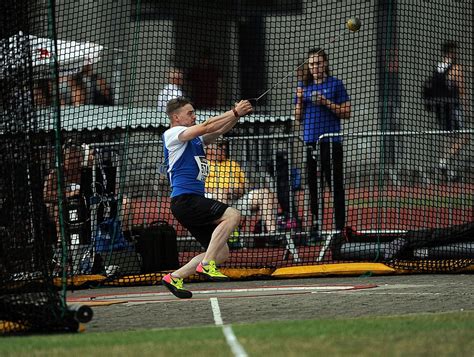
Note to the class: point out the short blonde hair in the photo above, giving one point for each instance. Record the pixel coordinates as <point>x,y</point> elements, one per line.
<point>175,104</point>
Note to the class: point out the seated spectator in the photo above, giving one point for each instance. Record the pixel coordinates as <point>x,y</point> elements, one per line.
<point>71,90</point>
<point>226,182</point>
<point>75,175</point>
<point>96,89</point>
<point>77,191</point>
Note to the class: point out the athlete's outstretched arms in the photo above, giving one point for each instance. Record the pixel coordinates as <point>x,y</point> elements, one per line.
<point>216,126</point>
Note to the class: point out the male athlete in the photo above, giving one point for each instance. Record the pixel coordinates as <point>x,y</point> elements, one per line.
<point>211,222</point>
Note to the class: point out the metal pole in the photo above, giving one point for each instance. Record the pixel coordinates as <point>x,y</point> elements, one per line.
<point>331,183</point>
<point>320,187</point>
<point>290,244</point>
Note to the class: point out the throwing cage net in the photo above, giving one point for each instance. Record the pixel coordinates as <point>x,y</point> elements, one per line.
<point>359,148</point>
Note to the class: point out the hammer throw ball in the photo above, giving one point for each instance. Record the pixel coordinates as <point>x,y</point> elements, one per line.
<point>353,24</point>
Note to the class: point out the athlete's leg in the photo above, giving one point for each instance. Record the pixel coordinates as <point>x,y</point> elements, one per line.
<point>193,212</point>
<point>218,249</point>
<point>189,268</point>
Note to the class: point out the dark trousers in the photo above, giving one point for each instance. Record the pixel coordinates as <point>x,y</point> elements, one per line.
<point>336,182</point>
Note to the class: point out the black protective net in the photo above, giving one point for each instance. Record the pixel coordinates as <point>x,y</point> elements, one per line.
<point>29,299</point>
<point>359,147</point>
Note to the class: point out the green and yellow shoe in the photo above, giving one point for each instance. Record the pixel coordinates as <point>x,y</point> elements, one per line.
<point>175,285</point>
<point>210,271</point>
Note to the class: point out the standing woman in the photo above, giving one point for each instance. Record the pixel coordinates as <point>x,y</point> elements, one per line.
<point>321,103</point>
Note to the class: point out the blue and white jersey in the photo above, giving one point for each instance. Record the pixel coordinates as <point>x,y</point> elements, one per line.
<point>186,163</point>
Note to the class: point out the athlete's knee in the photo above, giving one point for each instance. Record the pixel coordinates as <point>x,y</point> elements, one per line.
<point>232,215</point>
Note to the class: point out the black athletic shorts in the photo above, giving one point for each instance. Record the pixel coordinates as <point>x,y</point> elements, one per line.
<point>198,214</point>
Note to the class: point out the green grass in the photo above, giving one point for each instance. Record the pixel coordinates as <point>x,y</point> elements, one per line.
<point>446,334</point>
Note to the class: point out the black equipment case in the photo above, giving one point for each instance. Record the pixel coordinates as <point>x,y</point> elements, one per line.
<point>157,246</point>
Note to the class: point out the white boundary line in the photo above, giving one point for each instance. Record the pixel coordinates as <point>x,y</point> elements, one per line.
<point>216,311</point>
<point>229,335</point>
<point>282,288</point>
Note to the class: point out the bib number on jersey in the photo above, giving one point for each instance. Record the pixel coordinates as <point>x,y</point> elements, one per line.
<point>203,166</point>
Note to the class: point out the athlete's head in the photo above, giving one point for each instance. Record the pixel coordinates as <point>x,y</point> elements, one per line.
<point>181,112</point>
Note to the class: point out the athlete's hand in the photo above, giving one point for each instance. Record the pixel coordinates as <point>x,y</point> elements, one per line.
<point>243,108</point>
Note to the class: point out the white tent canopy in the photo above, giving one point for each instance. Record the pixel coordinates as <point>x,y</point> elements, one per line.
<point>71,56</point>
<point>91,117</point>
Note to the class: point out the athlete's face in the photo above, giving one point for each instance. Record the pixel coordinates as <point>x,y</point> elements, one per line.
<point>185,116</point>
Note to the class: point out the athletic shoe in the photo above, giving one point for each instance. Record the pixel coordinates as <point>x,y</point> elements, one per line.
<point>211,272</point>
<point>175,285</point>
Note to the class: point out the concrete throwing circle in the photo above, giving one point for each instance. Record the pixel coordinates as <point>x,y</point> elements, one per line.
<point>138,298</point>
